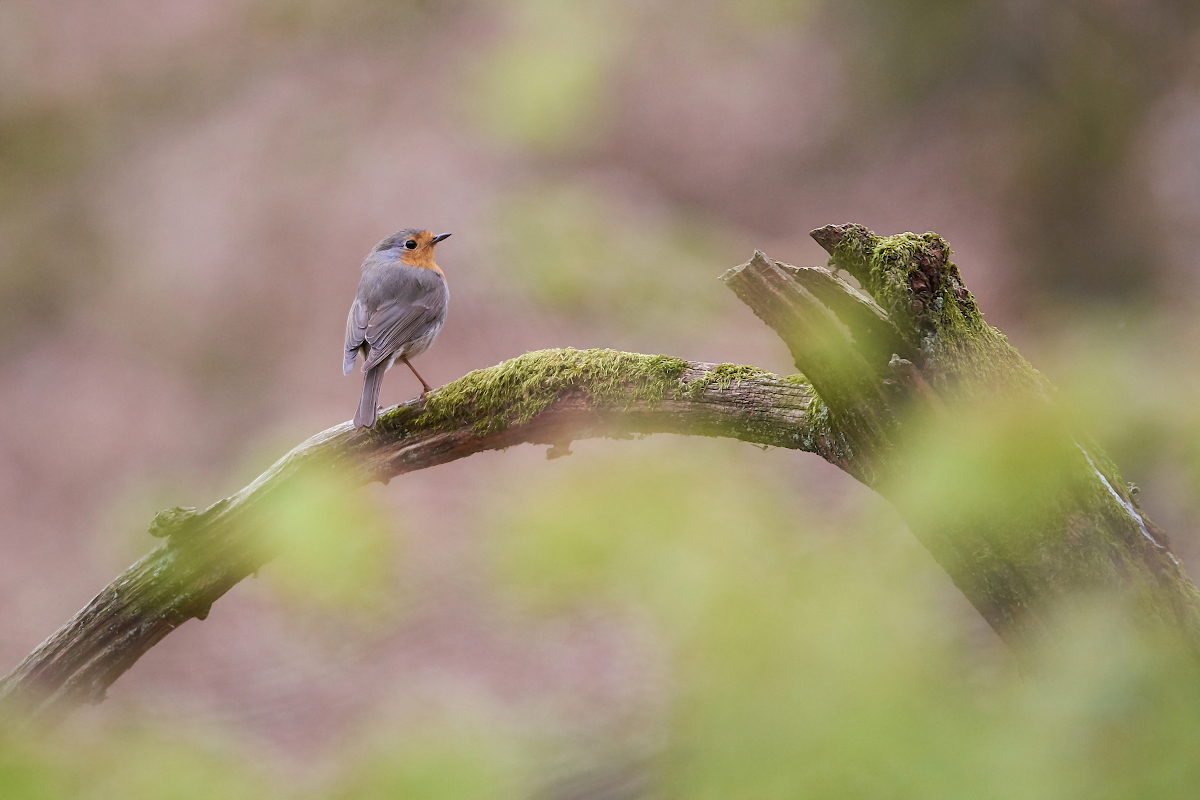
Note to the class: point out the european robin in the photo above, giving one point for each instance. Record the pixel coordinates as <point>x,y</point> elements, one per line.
<point>399,311</point>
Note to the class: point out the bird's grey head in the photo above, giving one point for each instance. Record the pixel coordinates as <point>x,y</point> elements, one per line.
<point>411,246</point>
<point>399,239</point>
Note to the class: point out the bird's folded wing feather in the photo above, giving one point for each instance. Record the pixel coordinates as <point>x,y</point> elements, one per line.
<point>356,334</point>
<point>395,324</point>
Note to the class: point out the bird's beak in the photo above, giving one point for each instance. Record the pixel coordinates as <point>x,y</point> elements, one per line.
<point>438,238</point>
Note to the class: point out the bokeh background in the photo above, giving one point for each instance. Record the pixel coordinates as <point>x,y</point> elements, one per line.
<point>187,188</point>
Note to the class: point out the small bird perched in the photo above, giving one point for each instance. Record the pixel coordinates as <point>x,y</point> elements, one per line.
<point>400,308</point>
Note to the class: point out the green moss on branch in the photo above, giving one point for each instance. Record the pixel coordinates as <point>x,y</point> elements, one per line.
<point>912,277</point>
<point>514,392</point>
<point>722,376</point>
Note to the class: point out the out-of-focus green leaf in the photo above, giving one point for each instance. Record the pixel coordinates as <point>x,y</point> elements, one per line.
<point>127,764</point>
<point>26,774</point>
<point>455,759</point>
<point>545,85</point>
<point>815,666</point>
<point>573,250</point>
<point>336,549</point>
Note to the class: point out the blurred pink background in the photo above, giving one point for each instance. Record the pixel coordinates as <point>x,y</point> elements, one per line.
<point>187,189</point>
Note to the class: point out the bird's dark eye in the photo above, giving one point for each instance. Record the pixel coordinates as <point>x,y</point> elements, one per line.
<point>410,244</point>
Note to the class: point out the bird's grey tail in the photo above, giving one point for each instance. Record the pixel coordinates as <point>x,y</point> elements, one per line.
<point>365,417</point>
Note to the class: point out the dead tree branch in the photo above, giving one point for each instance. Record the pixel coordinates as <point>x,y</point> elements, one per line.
<point>917,365</point>
<point>575,395</point>
<point>903,365</point>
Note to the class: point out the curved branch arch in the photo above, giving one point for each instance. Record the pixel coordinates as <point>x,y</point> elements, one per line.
<point>914,340</point>
<point>554,397</point>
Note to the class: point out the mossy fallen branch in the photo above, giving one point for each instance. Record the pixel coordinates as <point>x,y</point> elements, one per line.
<point>896,389</point>
<point>549,397</point>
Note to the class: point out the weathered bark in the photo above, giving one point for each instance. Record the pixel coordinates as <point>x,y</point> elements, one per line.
<point>890,373</point>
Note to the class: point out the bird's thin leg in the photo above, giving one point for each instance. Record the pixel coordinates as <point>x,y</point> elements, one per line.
<point>414,372</point>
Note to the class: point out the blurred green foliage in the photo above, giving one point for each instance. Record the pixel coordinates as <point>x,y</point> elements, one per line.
<point>810,657</point>
<point>994,460</point>
<point>770,15</point>
<point>448,758</point>
<point>816,663</point>
<point>580,252</point>
<point>126,762</point>
<point>337,549</point>
<point>545,84</point>
<point>811,662</point>
<point>796,657</point>
<point>48,256</point>
<point>1131,377</point>
<point>451,757</point>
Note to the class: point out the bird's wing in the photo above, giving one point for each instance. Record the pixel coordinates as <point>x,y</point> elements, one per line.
<point>395,324</point>
<point>356,334</point>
